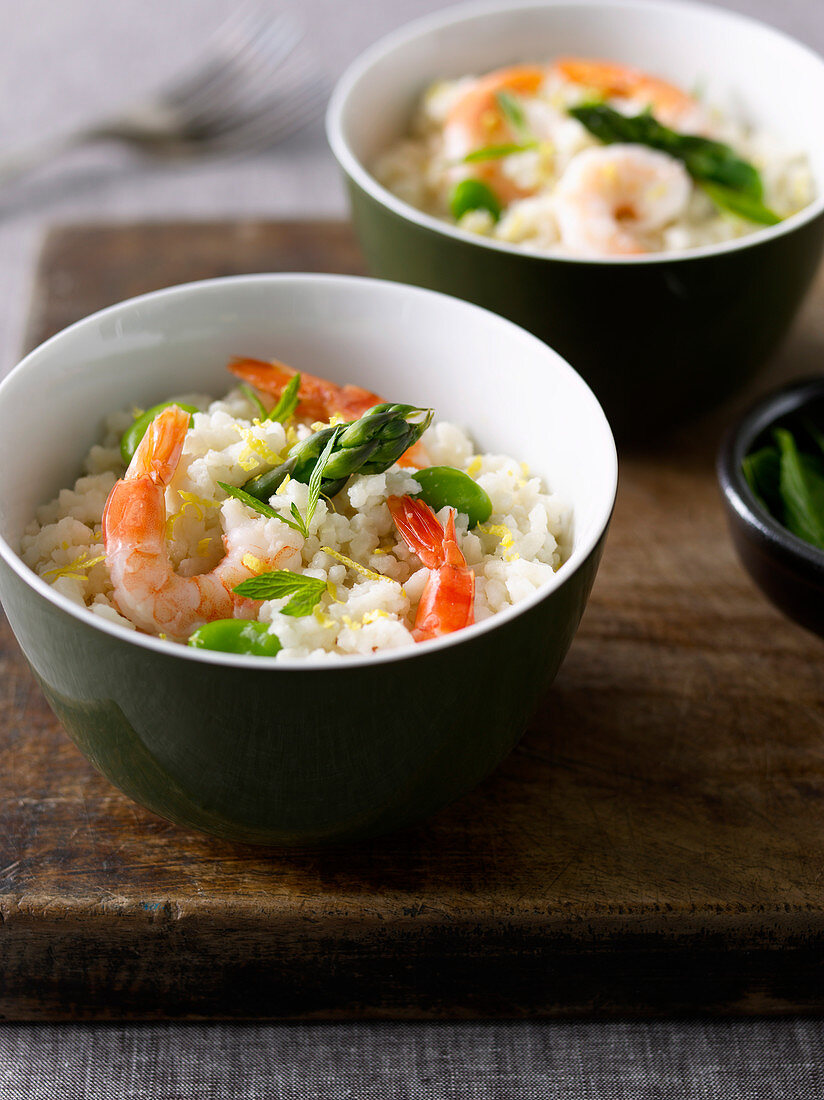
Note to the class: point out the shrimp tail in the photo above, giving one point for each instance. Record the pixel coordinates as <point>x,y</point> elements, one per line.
<point>448,599</point>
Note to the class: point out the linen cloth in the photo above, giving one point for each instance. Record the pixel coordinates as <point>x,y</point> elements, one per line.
<point>674,1060</point>
<point>62,63</point>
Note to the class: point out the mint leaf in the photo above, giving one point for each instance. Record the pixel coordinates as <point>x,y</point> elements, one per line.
<point>514,114</point>
<point>495,152</point>
<point>305,591</point>
<point>250,501</point>
<point>317,477</point>
<point>253,397</point>
<point>288,401</point>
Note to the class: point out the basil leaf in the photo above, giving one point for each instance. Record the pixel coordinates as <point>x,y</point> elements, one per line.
<point>744,206</point>
<point>802,490</point>
<point>253,397</point>
<point>288,401</point>
<point>473,195</point>
<point>250,501</point>
<point>495,152</point>
<point>305,591</point>
<point>514,114</point>
<point>317,477</point>
<point>728,179</point>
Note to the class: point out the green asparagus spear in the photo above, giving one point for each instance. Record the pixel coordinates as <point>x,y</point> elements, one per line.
<point>369,445</point>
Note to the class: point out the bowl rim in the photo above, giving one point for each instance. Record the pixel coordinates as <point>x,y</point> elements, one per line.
<point>564,572</point>
<point>795,552</point>
<point>451,16</point>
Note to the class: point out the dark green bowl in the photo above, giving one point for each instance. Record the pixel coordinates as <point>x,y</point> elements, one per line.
<point>658,337</point>
<point>258,749</point>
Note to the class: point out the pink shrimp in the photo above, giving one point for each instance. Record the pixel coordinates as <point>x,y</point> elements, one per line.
<point>671,105</point>
<point>319,399</point>
<point>448,599</point>
<point>477,120</point>
<point>146,588</point>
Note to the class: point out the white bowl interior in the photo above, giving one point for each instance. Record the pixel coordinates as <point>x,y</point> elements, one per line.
<point>760,74</point>
<point>515,394</point>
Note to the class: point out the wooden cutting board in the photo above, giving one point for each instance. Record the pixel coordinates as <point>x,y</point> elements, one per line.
<point>655,844</point>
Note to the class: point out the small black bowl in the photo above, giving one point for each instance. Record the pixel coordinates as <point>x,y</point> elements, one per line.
<point>788,570</point>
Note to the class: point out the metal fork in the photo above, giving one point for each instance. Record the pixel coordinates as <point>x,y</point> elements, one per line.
<point>257,84</point>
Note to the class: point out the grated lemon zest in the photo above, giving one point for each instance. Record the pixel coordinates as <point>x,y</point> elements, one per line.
<point>364,572</point>
<point>291,435</point>
<point>324,620</point>
<point>74,569</point>
<point>318,425</point>
<point>332,589</point>
<point>163,636</point>
<point>525,469</point>
<point>506,537</point>
<point>281,489</point>
<point>382,550</point>
<point>253,564</point>
<point>64,546</point>
<point>202,545</point>
<point>353,624</point>
<point>373,616</point>
<point>474,466</point>
<point>254,450</point>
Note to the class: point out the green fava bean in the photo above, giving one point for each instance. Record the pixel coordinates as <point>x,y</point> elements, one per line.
<point>132,436</point>
<point>444,485</point>
<point>473,195</point>
<point>237,636</point>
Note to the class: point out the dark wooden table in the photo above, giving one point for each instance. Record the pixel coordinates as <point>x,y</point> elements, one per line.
<point>655,844</point>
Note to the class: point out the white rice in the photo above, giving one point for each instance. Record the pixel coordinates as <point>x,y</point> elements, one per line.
<point>421,171</point>
<point>517,551</point>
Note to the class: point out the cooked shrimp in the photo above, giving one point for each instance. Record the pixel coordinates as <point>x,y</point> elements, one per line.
<point>448,599</point>
<point>477,120</point>
<point>671,105</point>
<point>146,588</point>
<point>610,196</point>
<point>319,399</point>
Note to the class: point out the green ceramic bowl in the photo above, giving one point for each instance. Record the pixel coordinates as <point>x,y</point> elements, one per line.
<point>658,337</point>
<point>298,752</point>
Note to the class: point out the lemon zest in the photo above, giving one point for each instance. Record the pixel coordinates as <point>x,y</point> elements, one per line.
<point>291,435</point>
<point>474,466</point>
<point>318,425</point>
<point>281,489</point>
<point>202,545</point>
<point>332,589</point>
<point>525,469</point>
<point>374,615</point>
<point>382,550</point>
<point>324,620</point>
<point>74,569</point>
<point>253,564</point>
<point>254,450</point>
<point>353,624</point>
<point>506,537</point>
<point>364,572</point>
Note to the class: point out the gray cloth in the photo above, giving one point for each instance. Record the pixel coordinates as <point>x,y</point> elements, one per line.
<point>674,1060</point>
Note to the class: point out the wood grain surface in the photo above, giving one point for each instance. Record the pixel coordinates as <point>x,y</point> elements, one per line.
<point>654,845</point>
